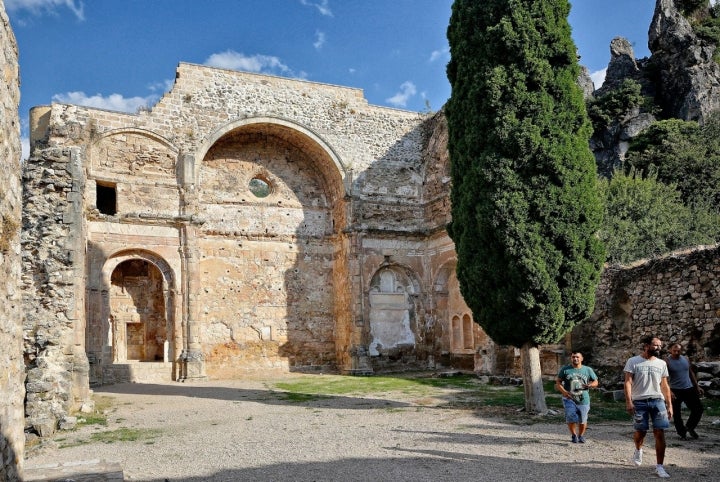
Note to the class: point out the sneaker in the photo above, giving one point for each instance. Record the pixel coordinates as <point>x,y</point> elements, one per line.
<point>581,439</point>
<point>682,436</point>
<point>660,471</point>
<point>693,434</point>
<point>574,439</point>
<point>637,457</point>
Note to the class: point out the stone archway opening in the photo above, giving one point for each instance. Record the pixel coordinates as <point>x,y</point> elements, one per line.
<point>139,329</point>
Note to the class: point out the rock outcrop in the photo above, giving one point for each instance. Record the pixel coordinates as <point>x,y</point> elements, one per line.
<point>681,80</point>
<point>688,77</point>
<point>610,145</point>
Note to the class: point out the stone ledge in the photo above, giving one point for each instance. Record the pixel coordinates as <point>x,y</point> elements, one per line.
<point>82,471</point>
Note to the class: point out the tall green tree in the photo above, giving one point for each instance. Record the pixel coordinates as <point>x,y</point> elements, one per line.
<point>525,202</point>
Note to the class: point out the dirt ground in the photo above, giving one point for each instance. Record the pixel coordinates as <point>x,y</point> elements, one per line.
<point>245,430</point>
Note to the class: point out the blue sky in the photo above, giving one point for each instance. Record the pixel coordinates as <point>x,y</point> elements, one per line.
<point>122,54</point>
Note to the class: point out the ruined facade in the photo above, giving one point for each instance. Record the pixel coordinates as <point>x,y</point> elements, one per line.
<point>249,222</point>
<point>12,370</point>
<point>243,222</point>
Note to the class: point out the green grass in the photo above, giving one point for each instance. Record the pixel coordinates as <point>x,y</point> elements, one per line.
<point>462,391</point>
<point>99,416</point>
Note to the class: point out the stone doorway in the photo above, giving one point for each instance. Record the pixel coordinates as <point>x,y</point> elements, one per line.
<point>139,328</point>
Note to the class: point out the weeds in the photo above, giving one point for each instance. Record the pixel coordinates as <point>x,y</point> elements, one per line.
<point>124,435</point>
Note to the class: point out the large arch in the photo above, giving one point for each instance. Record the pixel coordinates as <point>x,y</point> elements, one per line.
<point>279,125</point>
<point>270,263</point>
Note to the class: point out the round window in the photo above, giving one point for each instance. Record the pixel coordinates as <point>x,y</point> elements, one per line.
<point>259,187</point>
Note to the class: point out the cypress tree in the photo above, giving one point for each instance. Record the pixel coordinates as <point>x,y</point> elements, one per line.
<point>525,202</point>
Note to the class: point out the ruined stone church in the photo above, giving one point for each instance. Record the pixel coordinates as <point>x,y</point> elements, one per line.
<point>243,222</point>
<point>249,222</point>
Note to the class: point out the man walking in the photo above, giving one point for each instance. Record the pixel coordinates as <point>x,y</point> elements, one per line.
<point>685,388</point>
<point>647,397</point>
<point>573,382</point>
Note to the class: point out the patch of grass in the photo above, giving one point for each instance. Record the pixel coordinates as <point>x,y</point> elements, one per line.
<point>124,435</point>
<point>93,419</point>
<point>393,409</point>
<point>342,385</point>
<point>463,391</point>
<point>99,415</point>
<point>72,443</point>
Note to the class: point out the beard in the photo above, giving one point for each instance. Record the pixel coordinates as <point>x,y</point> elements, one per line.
<point>654,352</point>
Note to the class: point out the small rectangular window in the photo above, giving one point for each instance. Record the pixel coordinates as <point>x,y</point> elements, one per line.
<point>106,198</point>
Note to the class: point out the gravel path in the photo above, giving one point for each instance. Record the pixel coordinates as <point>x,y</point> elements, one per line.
<point>244,430</point>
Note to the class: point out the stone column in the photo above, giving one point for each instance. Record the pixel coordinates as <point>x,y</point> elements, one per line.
<point>193,359</point>
<point>358,361</point>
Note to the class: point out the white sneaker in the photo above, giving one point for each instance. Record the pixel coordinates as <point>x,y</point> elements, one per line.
<point>637,457</point>
<point>660,471</point>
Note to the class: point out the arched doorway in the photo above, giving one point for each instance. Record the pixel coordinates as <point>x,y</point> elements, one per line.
<point>139,322</point>
<point>140,330</point>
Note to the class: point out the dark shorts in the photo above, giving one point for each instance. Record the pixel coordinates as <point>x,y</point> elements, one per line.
<point>651,409</point>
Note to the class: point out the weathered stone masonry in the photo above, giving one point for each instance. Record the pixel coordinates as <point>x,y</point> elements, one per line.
<point>675,297</point>
<point>12,375</point>
<point>244,222</point>
<point>250,222</point>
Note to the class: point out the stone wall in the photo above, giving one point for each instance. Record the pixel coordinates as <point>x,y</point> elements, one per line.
<point>12,390</point>
<point>675,297</point>
<point>244,222</point>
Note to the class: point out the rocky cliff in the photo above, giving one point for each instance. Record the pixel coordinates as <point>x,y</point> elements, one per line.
<point>681,79</point>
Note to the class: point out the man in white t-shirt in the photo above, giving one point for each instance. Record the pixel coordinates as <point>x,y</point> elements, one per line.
<point>647,397</point>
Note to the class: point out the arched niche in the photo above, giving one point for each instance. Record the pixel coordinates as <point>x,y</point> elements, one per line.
<point>133,152</point>
<point>393,311</point>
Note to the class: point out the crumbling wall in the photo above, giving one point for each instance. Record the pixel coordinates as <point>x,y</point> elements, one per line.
<point>12,390</point>
<point>53,271</point>
<point>675,297</point>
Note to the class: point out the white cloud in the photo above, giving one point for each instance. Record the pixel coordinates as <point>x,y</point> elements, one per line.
<point>598,77</point>
<point>319,40</point>
<point>162,86</point>
<point>438,54</point>
<point>115,102</point>
<point>25,143</point>
<point>257,63</point>
<point>407,90</point>
<point>321,5</point>
<point>38,7</point>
